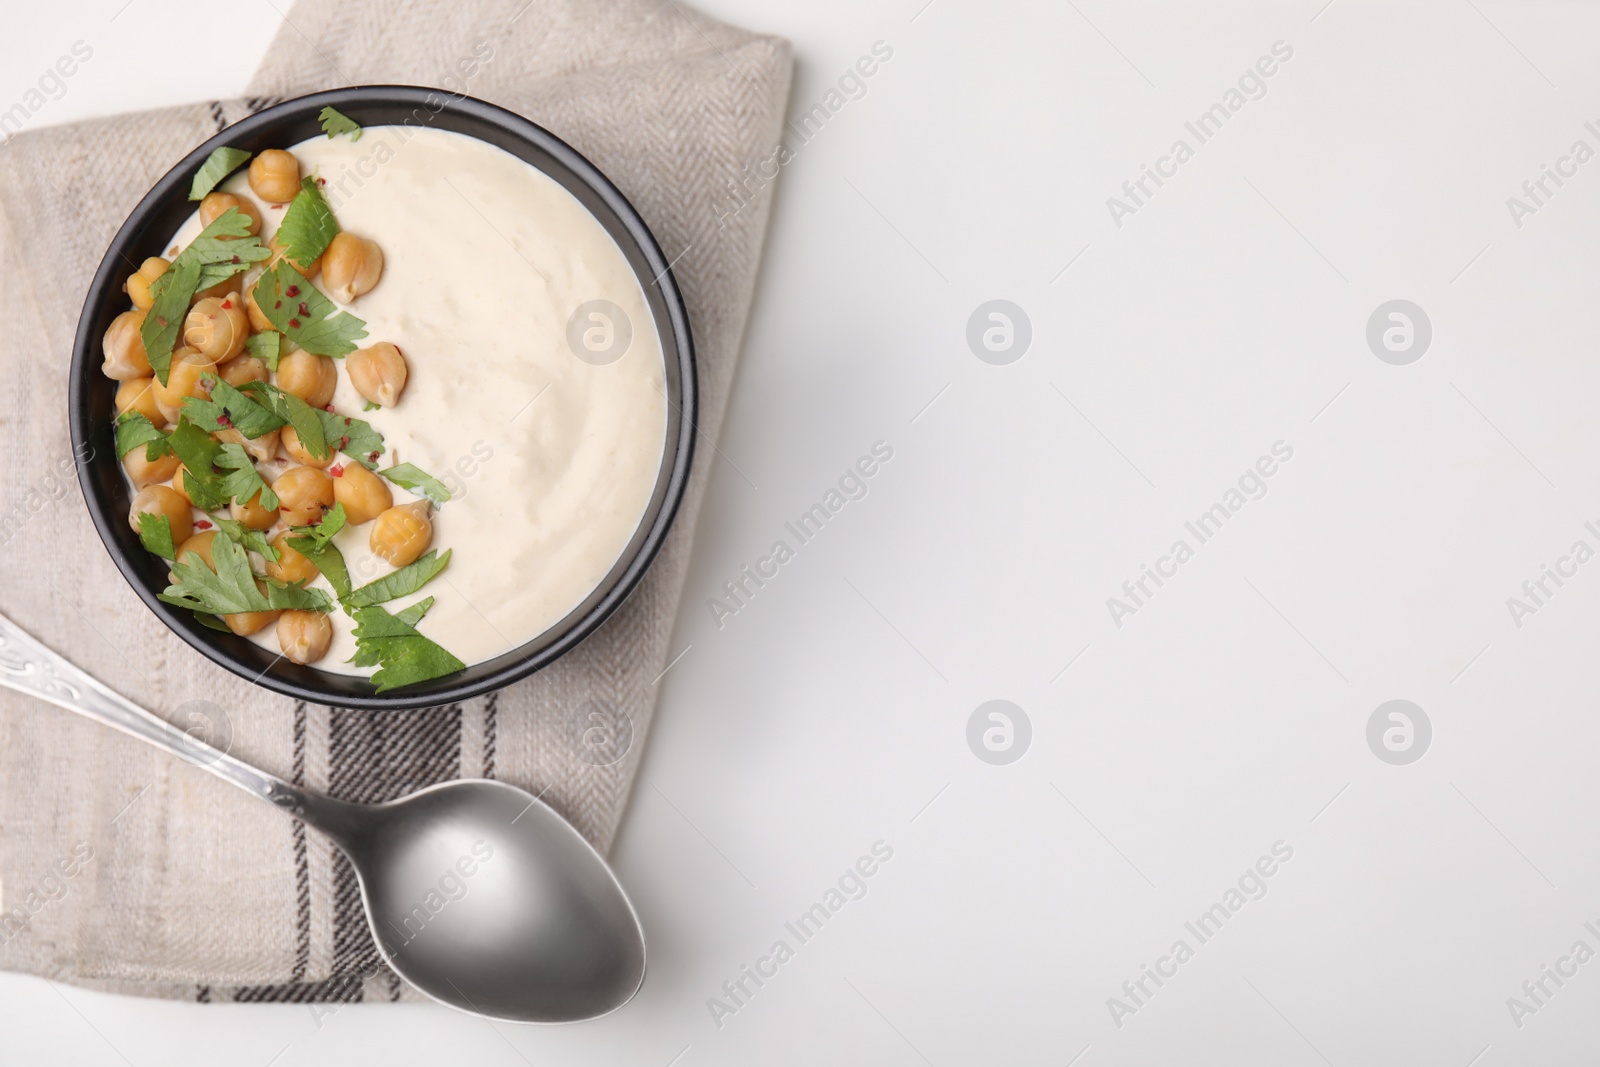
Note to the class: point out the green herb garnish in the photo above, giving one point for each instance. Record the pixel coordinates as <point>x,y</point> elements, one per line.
<point>303,315</point>
<point>353,437</point>
<point>197,451</point>
<point>243,481</point>
<point>228,408</point>
<point>410,476</point>
<point>155,533</point>
<point>218,165</point>
<point>265,346</point>
<point>370,406</point>
<point>403,582</point>
<point>392,643</point>
<point>208,260</point>
<point>133,430</point>
<point>248,539</point>
<point>231,589</point>
<point>222,249</point>
<point>306,420</point>
<point>173,292</point>
<point>315,543</point>
<point>334,123</point>
<point>308,225</point>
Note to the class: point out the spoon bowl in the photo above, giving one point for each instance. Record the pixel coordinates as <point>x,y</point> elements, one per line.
<point>487,900</point>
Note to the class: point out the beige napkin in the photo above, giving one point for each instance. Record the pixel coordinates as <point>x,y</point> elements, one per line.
<point>123,869</point>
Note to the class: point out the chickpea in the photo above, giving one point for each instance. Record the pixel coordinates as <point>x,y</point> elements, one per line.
<point>291,566</point>
<point>310,377</point>
<point>200,545</point>
<point>214,204</point>
<point>124,348</point>
<point>258,321</point>
<point>241,369</point>
<point>402,533</point>
<point>297,451</point>
<point>246,623</point>
<point>252,514</point>
<point>263,449</point>
<point>351,266</point>
<point>143,472</point>
<point>304,493</point>
<point>185,377</point>
<point>178,487</point>
<point>364,495</point>
<point>217,327</point>
<point>138,394</point>
<point>275,176</point>
<point>308,270</point>
<point>163,500</point>
<point>139,283</point>
<point>304,636</point>
<point>378,373</point>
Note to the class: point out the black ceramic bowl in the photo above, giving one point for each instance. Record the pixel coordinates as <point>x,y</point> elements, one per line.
<point>165,208</point>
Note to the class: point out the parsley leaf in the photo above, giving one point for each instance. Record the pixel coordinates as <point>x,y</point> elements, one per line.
<point>403,656</point>
<point>308,225</point>
<point>353,437</point>
<point>173,292</point>
<point>306,420</point>
<point>403,582</point>
<point>155,533</point>
<point>133,430</point>
<point>218,165</point>
<point>321,533</point>
<point>243,481</point>
<point>315,543</point>
<point>410,476</point>
<point>334,123</point>
<point>197,452</point>
<point>413,615</point>
<point>222,249</point>
<point>231,589</point>
<point>265,346</point>
<point>251,419</point>
<point>302,314</point>
<point>248,539</point>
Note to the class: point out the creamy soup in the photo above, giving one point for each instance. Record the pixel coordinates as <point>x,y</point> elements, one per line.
<point>536,389</point>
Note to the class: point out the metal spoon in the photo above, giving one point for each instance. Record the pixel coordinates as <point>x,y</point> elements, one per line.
<point>478,893</point>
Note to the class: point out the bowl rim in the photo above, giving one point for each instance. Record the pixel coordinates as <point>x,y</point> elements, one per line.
<point>673,480</point>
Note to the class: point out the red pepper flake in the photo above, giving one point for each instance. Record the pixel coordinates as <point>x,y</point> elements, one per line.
<point>304,310</point>
<point>227,305</point>
<point>276,304</point>
<point>202,524</point>
<point>372,457</point>
<point>337,470</point>
<point>322,181</point>
<point>279,207</point>
<point>224,420</point>
<point>235,259</point>
<point>292,291</point>
<point>294,324</point>
<point>344,443</point>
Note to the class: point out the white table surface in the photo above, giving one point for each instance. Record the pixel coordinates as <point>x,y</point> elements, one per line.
<point>1227,313</point>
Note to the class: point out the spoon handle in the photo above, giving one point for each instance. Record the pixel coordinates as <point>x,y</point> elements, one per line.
<point>29,667</point>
